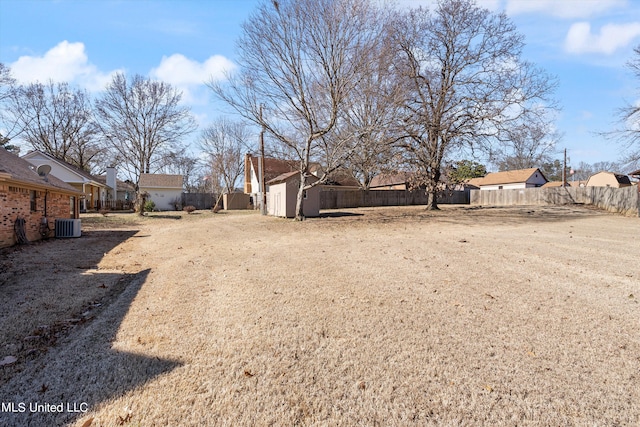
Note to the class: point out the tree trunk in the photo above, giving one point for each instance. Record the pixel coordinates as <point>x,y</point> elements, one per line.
<point>432,187</point>
<point>140,202</point>
<point>300,200</point>
<point>432,202</point>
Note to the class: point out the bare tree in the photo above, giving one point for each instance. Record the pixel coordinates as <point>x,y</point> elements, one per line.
<point>466,82</point>
<point>584,170</point>
<point>7,123</point>
<point>142,121</point>
<point>528,144</point>
<point>181,163</point>
<point>298,62</point>
<point>372,115</point>
<point>628,132</point>
<point>58,120</point>
<point>225,142</point>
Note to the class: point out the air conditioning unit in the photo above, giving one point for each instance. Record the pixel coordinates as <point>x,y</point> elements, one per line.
<point>68,228</point>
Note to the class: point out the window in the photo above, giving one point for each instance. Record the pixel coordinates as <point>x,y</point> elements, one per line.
<point>72,207</point>
<point>499,187</point>
<point>32,196</point>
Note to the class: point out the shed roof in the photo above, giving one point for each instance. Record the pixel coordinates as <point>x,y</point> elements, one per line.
<point>509,177</point>
<point>160,180</point>
<point>19,170</point>
<point>290,175</point>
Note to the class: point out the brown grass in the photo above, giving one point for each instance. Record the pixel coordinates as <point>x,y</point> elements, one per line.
<point>395,316</point>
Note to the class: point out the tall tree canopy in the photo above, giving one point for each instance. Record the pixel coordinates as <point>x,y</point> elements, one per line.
<point>225,142</point>
<point>466,83</point>
<point>7,125</point>
<point>299,62</point>
<point>142,120</point>
<point>628,131</point>
<point>58,120</point>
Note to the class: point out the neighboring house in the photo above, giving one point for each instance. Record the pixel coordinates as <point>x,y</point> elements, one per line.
<point>522,178</point>
<point>164,190</point>
<point>124,191</point>
<point>93,190</point>
<point>338,180</point>
<point>31,197</point>
<point>392,181</point>
<point>282,192</point>
<point>608,179</point>
<point>272,169</point>
<point>474,183</point>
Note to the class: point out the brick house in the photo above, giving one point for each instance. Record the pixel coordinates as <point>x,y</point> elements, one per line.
<point>29,196</point>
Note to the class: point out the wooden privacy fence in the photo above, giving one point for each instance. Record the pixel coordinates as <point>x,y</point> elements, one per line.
<point>337,199</point>
<point>623,200</point>
<point>198,200</point>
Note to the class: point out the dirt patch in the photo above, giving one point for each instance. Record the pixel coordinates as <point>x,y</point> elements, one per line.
<point>381,316</point>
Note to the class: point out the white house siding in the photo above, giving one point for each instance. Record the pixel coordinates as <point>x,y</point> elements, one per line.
<point>163,197</point>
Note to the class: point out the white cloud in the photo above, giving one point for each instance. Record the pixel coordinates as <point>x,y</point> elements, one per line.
<point>563,8</point>
<point>189,75</point>
<point>611,37</point>
<point>492,5</point>
<point>66,62</point>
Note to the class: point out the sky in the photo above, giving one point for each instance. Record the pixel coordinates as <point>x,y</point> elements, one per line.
<point>583,43</point>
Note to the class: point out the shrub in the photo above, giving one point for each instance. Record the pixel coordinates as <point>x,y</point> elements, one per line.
<point>149,206</point>
<point>189,209</point>
<point>177,203</point>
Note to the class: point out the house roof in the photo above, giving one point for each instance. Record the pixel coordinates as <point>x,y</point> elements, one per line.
<point>559,184</point>
<point>19,170</point>
<point>160,180</point>
<point>78,171</point>
<point>384,180</point>
<point>635,173</point>
<point>621,179</point>
<point>343,178</point>
<point>508,177</point>
<point>122,185</point>
<point>274,167</point>
<point>474,182</point>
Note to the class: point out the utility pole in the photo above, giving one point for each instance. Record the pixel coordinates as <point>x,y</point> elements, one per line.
<point>263,187</point>
<point>564,169</point>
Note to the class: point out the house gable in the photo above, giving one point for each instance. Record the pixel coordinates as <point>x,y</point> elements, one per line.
<point>61,169</point>
<point>608,179</point>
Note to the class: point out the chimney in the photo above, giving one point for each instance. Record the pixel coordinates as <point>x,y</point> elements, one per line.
<point>111,182</point>
<point>247,173</point>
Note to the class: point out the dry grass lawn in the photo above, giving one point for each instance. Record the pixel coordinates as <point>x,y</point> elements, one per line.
<point>385,316</point>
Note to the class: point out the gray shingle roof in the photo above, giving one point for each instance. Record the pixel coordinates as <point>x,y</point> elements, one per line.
<point>23,171</point>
